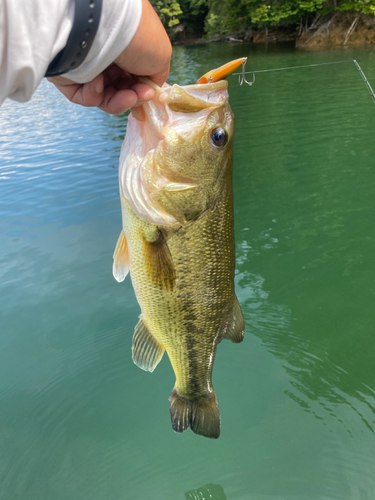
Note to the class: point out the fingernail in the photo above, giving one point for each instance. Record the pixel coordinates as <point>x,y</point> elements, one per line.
<point>99,87</point>
<point>139,114</point>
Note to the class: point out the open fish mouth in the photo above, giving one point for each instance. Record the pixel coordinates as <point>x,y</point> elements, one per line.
<point>176,114</point>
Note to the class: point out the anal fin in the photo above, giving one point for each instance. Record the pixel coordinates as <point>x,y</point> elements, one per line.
<point>147,352</point>
<point>235,327</point>
<point>121,263</point>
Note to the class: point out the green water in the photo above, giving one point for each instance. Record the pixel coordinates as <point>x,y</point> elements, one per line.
<point>78,420</point>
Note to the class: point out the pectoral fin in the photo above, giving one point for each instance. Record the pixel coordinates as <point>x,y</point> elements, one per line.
<point>147,352</point>
<point>235,328</point>
<point>159,259</point>
<point>121,263</point>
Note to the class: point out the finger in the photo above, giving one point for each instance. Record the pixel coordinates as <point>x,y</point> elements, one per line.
<point>160,77</point>
<point>68,90</point>
<point>114,73</point>
<point>88,94</point>
<point>143,91</point>
<point>117,102</point>
<point>60,80</point>
<point>123,80</point>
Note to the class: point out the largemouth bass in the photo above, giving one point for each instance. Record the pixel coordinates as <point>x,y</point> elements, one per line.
<point>178,241</point>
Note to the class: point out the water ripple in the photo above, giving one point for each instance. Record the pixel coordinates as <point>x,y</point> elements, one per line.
<point>297,397</point>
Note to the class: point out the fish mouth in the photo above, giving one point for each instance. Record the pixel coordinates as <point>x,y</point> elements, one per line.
<point>210,93</point>
<point>183,109</point>
<point>175,110</point>
<point>194,98</point>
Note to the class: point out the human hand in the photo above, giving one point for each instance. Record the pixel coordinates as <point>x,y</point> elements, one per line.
<point>116,89</point>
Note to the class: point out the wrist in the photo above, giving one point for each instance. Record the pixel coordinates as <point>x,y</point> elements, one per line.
<point>118,24</point>
<point>149,52</point>
<point>84,28</point>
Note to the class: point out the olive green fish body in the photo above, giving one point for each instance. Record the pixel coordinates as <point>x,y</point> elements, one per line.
<point>188,319</point>
<point>183,272</point>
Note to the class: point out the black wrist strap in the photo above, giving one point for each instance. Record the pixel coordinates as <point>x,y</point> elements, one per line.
<point>85,25</point>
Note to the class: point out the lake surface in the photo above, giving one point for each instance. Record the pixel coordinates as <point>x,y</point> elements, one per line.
<point>78,420</point>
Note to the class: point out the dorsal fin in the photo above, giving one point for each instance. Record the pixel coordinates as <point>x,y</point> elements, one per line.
<point>121,263</point>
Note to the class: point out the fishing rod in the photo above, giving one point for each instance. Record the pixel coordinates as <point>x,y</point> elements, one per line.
<point>242,78</point>
<point>365,80</point>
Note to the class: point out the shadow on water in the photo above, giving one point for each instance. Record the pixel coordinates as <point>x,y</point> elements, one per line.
<point>207,492</point>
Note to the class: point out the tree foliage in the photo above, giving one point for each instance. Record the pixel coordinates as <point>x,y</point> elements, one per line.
<point>190,14</point>
<point>168,11</point>
<point>223,17</point>
<point>363,6</point>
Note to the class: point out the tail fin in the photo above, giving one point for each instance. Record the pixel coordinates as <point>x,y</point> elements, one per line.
<point>201,415</point>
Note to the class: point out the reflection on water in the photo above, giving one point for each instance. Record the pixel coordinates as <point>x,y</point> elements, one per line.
<point>297,398</point>
<point>207,492</point>
<point>304,360</point>
<point>317,248</point>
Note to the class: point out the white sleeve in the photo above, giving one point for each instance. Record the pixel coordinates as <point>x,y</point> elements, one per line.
<point>118,23</point>
<point>32,33</point>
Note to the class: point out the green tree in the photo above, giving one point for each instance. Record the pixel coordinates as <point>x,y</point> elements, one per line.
<point>231,16</point>
<point>362,6</point>
<point>194,15</point>
<point>228,16</point>
<point>225,17</point>
<point>168,11</point>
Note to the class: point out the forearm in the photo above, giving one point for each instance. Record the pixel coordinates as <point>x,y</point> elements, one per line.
<point>117,88</point>
<point>32,32</point>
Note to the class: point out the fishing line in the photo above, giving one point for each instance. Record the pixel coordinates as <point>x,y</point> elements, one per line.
<point>293,67</point>
<point>243,73</point>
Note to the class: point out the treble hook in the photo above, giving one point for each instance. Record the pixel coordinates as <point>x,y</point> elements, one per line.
<point>242,78</point>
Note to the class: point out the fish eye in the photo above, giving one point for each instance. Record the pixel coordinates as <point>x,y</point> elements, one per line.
<point>219,137</point>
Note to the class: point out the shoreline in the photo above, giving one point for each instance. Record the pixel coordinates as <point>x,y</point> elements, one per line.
<point>338,30</point>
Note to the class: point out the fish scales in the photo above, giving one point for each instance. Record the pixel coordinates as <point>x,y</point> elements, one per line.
<point>182,269</point>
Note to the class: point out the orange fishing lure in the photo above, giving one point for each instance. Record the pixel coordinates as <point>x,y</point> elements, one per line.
<point>215,75</point>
